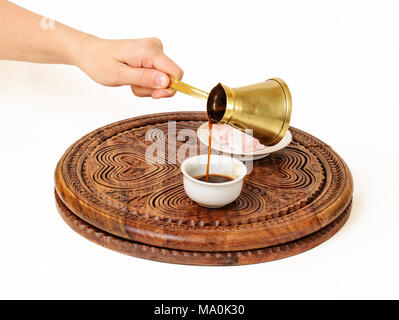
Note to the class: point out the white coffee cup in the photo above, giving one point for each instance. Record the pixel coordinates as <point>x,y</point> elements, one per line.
<point>213,195</point>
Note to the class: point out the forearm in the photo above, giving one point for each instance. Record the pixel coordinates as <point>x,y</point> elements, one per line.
<point>139,63</point>
<point>25,36</point>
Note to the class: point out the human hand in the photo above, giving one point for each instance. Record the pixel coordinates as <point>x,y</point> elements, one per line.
<point>140,63</point>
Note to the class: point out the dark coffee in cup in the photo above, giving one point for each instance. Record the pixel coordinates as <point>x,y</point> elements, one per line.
<point>214,178</point>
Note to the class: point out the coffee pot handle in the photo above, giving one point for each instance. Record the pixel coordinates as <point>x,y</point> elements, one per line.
<point>187,89</point>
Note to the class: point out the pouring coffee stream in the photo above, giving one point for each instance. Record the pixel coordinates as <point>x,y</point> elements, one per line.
<point>265,108</point>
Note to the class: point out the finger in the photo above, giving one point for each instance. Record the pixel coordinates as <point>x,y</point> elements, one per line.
<point>165,64</point>
<point>163,93</point>
<point>142,92</point>
<point>142,77</point>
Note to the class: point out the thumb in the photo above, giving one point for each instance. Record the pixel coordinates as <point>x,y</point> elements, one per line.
<point>143,77</point>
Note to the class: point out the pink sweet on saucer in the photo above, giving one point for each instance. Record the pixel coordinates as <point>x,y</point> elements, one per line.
<point>231,138</point>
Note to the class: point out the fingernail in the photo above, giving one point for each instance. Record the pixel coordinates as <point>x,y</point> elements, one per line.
<point>162,81</point>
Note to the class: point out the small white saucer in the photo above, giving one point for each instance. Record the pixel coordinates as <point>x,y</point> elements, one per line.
<point>203,136</point>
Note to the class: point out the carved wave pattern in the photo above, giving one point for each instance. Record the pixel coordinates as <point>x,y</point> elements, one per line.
<point>131,199</point>
<point>174,202</point>
<point>124,166</point>
<point>279,184</point>
<point>286,169</point>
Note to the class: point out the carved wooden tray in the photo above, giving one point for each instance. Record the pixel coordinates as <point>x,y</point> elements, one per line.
<point>293,200</point>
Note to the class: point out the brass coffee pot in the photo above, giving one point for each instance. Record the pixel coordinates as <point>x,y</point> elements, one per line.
<point>263,107</point>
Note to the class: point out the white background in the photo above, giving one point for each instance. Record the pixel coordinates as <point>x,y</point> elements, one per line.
<point>340,61</point>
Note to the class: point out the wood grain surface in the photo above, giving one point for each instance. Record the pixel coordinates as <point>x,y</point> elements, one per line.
<point>200,258</point>
<point>104,180</point>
